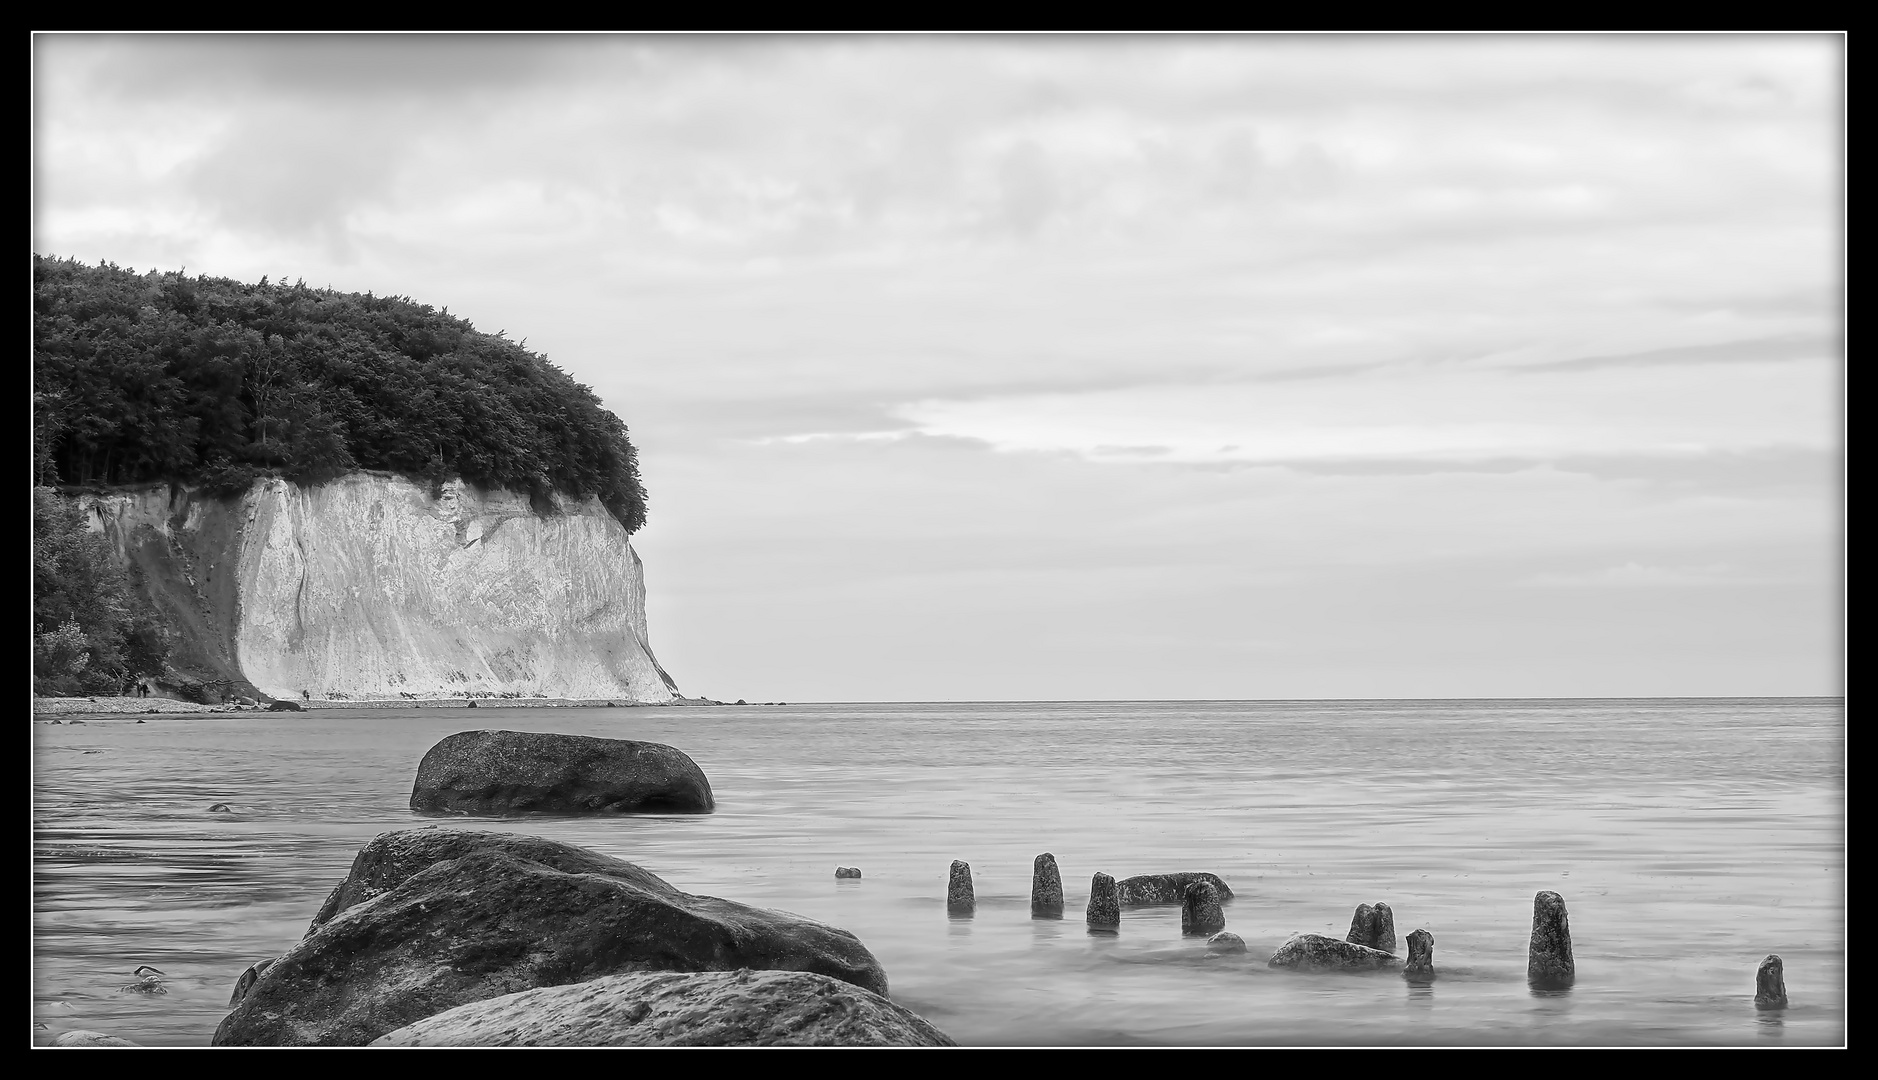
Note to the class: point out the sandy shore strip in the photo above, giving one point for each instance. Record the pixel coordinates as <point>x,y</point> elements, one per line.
<point>119,706</point>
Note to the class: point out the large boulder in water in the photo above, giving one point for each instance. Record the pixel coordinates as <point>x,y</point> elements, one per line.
<point>1315,952</point>
<point>513,772</point>
<point>432,918</point>
<point>716,1008</point>
<point>1166,888</point>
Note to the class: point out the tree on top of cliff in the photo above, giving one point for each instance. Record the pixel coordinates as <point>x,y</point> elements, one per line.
<point>157,376</point>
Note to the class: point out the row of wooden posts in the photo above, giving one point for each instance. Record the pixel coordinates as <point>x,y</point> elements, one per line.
<point>1549,963</point>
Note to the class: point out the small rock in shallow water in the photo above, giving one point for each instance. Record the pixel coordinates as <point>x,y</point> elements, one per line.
<point>1315,952</point>
<point>90,1038</point>
<point>1224,942</point>
<point>847,871</point>
<point>1046,888</point>
<point>1105,905</point>
<point>959,898</point>
<point>1770,984</point>
<point>1421,956</point>
<point>220,808</point>
<point>1374,927</point>
<point>1549,952</point>
<point>1199,910</point>
<point>149,981</point>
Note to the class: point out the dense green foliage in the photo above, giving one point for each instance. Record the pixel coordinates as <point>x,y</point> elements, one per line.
<point>158,376</point>
<point>88,634</point>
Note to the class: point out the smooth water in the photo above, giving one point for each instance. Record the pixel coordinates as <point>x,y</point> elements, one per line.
<point>1689,838</point>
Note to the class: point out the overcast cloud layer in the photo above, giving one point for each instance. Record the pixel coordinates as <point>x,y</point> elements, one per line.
<point>1076,368</point>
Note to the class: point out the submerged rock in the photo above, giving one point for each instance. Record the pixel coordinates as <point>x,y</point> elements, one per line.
<point>1770,984</point>
<point>959,898</point>
<point>1421,956</point>
<point>1166,888</point>
<point>1315,952</point>
<point>1373,926</point>
<point>718,1008</point>
<point>847,871</point>
<point>90,1038</point>
<point>1046,888</point>
<point>1199,910</point>
<point>1549,951</point>
<point>510,772</point>
<point>1105,905</point>
<point>1224,942</point>
<point>429,919</point>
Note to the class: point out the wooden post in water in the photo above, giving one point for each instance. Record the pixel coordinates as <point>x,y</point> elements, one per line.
<point>1105,903</point>
<point>959,898</point>
<point>1199,910</point>
<point>1421,957</point>
<point>1046,889</point>
<point>1770,984</point>
<point>1549,952</point>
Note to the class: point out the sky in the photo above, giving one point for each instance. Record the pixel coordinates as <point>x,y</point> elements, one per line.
<point>1093,367</point>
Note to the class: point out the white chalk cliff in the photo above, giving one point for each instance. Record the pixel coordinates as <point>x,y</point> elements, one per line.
<point>368,587</point>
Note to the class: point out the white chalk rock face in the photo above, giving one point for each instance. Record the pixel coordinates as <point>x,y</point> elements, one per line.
<point>367,587</point>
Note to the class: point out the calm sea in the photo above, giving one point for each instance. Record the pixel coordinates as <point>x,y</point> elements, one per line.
<point>1689,838</point>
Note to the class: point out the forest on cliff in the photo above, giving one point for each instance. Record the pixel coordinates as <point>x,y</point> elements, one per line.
<point>160,376</point>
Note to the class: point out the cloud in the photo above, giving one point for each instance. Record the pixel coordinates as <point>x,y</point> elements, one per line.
<point>1636,576</point>
<point>1749,351</point>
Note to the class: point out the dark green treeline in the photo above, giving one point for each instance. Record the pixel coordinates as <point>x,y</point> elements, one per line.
<point>158,376</point>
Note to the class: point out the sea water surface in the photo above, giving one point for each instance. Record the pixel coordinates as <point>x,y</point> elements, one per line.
<point>1689,838</point>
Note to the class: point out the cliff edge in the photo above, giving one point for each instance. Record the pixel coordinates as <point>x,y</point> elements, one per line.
<point>370,588</point>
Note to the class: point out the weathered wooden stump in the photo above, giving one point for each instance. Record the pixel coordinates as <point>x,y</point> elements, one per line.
<point>959,898</point>
<point>1770,984</point>
<point>1046,889</point>
<point>1549,952</point>
<point>1421,957</point>
<point>1199,910</point>
<point>1373,927</point>
<point>1105,903</point>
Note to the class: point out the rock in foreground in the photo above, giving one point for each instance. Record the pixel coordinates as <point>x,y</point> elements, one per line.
<point>1166,888</point>
<point>430,919</point>
<point>1315,952</point>
<point>514,772</point>
<point>718,1008</point>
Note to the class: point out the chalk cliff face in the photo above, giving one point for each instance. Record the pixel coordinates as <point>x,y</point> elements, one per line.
<point>368,587</point>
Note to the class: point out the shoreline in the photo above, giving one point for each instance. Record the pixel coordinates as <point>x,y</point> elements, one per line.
<point>129,706</point>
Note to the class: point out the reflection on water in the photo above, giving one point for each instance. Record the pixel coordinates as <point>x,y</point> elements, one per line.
<point>1688,838</point>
